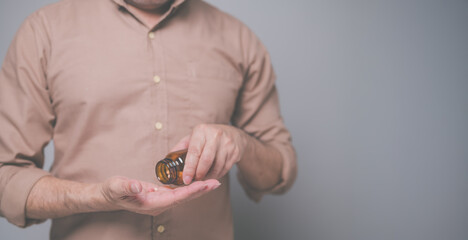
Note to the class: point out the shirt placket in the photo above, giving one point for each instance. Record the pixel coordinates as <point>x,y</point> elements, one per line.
<point>161,224</point>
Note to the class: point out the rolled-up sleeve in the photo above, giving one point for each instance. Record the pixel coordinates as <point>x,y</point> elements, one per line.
<point>26,118</point>
<point>258,113</point>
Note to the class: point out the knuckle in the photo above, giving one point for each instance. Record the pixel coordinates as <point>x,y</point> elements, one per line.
<point>229,141</point>
<point>207,158</point>
<point>218,132</point>
<point>235,152</point>
<point>202,126</point>
<point>194,151</point>
<point>114,185</point>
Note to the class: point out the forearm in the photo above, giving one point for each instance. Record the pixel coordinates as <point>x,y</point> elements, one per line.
<point>261,165</point>
<point>53,198</point>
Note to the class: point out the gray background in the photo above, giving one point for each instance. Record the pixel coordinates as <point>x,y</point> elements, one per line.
<point>375,94</point>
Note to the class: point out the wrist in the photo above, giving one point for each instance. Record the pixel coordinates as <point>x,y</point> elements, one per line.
<point>97,200</point>
<point>249,144</point>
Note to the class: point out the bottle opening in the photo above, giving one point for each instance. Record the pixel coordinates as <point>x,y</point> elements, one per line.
<point>165,173</point>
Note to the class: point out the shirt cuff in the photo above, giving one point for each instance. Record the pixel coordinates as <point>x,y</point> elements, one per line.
<point>15,195</point>
<point>288,174</point>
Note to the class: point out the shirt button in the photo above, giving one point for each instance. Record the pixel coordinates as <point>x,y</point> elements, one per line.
<point>161,229</point>
<point>157,79</point>
<point>151,35</point>
<point>158,126</point>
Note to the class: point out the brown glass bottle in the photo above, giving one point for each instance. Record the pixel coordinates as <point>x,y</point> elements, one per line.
<point>170,169</point>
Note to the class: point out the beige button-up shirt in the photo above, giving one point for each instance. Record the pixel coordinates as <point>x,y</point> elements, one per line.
<point>115,96</point>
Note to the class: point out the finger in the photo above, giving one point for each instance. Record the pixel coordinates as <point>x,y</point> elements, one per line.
<point>193,191</point>
<point>169,198</point>
<point>125,187</point>
<point>207,158</point>
<point>197,142</point>
<point>218,166</point>
<point>182,144</point>
<point>231,158</point>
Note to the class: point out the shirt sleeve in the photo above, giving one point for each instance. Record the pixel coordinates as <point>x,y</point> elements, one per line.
<point>258,113</point>
<point>26,119</point>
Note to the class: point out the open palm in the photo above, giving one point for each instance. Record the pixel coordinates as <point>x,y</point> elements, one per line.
<point>148,198</point>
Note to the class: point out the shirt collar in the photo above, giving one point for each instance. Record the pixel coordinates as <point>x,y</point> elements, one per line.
<point>175,4</point>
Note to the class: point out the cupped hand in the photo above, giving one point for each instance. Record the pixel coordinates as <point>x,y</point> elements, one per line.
<point>122,193</point>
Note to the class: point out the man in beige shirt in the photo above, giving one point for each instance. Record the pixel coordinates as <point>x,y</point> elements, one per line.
<point>118,84</point>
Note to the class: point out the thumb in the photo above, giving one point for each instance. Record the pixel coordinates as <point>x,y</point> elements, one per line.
<point>182,144</point>
<point>131,187</point>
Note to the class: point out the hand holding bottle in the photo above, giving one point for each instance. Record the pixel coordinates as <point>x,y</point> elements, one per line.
<point>213,149</point>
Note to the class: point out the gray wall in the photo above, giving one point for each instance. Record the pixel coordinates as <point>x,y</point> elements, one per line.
<point>376,96</point>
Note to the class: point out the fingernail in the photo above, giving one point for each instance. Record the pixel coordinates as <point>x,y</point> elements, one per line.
<point>187,180</point>
<point>134,188</point>
<point>216,186</point>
